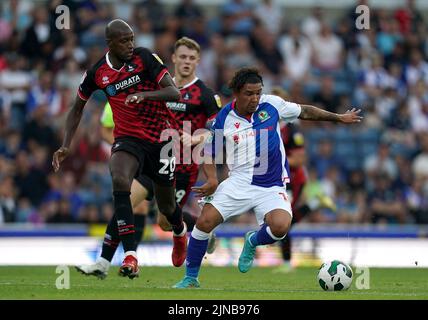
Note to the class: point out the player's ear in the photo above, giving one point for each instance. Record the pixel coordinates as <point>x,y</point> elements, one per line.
<point>173,58</point>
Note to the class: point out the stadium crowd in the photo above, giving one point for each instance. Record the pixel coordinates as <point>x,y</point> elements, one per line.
<point>376,172</point>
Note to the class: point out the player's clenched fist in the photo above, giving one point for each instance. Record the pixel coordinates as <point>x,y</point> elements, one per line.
<point>59,157</point>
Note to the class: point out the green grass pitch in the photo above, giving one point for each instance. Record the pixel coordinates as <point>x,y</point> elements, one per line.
<point>216,284</point>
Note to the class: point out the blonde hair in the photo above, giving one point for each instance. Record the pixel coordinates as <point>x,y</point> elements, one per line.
<point>279,91</point>
<point>187,42</point>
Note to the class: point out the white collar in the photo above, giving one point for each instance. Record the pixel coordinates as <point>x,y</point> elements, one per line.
<point>110,64</point>
<point>189,84</point>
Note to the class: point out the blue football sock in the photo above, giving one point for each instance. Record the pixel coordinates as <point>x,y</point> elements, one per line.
<point>195,253</point>
<point>262,237</point>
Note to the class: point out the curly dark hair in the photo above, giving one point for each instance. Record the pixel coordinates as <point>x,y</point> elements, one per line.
<point>243,76</point>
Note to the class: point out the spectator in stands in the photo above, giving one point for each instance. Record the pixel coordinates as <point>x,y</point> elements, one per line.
<point>328,50</point>
<point>155,11</point>
<point>351,206</point>
<point>30,182</point>
<point>240,14</point>
<point>39,129</point>
<point>311,24</point>
<point>386,204</point>
<point>418,107</point>
<point>44,94</point>
<point>417,69</point>
<point>420,162</point>
<point>62,213</point>
<point>187,11</point>
<point>324,158</point>
<point>417,200</point>
<point>326,98</point>
<point>16,79</point>
<point>296,51</point>
<point>7,200</point>
<point>408,17</point>
<point>270,14</point>
<point>381,162</point>
<point>40,38</point>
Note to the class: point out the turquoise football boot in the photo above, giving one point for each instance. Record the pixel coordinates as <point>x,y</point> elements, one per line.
<point>247,255</point>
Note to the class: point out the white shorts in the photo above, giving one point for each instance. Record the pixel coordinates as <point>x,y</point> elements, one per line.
<point>233,198</point>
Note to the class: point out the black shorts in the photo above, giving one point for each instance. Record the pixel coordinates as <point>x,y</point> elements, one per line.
<point>183,184</point>
<point>160,171</point>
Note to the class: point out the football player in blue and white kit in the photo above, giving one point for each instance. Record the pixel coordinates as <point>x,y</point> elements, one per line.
<point>249,126</point>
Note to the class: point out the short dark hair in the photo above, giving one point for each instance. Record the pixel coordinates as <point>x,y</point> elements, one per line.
<point>243,76</point>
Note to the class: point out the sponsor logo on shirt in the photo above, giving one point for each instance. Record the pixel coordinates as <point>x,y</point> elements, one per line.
<point>176,106</point>
<point>126,83</point>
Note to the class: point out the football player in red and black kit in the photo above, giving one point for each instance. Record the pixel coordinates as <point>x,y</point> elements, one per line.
<point>195,110</point>
<point>136,84</point>
<point>198,105</point>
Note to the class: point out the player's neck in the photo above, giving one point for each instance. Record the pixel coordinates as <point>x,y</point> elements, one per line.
<point>183,81</point>
<point>242,113</point>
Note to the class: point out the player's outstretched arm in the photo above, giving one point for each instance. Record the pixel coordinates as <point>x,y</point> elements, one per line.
<point>71,124</point>
<point>168,92</point>
<point>313,113</point>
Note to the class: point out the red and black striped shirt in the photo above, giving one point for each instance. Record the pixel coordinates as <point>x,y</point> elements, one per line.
<point>197,104</point>
<point>142,72</point>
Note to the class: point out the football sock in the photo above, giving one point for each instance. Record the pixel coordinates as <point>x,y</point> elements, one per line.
<point>196,249</point>
<point>125,219</point>
<point>190,220</point>
<point>176,220</point>
<point>286,248</point>
<point>140,222</point>
<point>111,240</point>
<point>263,236</point>
<point>304,210</point>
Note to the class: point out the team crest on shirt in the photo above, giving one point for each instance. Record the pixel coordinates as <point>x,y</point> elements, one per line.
<point>130,67</point>
<point>263,116</point>
<point>105,80</point>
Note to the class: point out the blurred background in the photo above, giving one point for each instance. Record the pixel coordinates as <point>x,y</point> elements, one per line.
<point>376,172</point>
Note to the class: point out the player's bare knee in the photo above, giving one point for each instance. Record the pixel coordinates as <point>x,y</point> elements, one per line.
<point>279,230</point>
<point>204,224</point>
<point>280,226</point>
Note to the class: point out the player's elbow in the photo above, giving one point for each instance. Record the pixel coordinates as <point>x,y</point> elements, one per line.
<point>175,94</point>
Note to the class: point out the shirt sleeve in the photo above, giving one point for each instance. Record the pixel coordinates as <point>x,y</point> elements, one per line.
<point>155,66</point>
<point>214,142</point>
<point>87,85</point>
<point>212,103</point>
<point>107,117</point>
<point>288,111</point>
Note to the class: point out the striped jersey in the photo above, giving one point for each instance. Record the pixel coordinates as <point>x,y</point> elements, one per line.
<point>254,148</point>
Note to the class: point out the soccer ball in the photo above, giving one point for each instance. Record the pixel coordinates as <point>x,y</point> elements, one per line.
<point>335,276</point>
